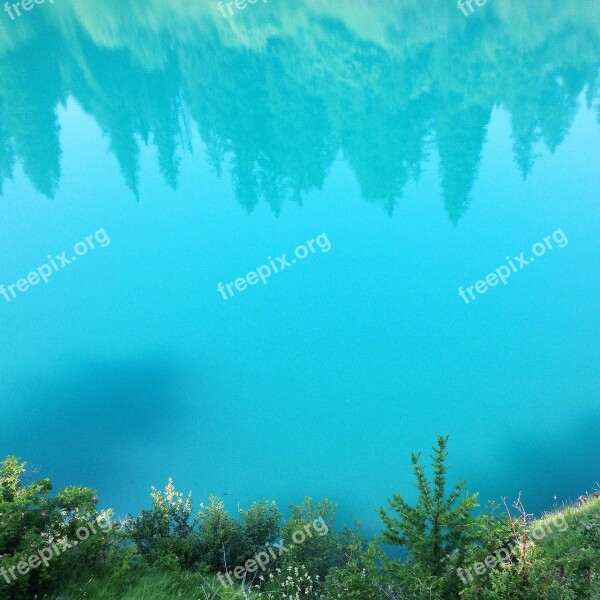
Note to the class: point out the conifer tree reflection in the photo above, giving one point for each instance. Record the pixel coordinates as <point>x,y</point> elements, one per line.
<point>277,98</point>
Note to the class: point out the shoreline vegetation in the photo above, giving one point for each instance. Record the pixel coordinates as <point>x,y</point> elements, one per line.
<point>453,548</point>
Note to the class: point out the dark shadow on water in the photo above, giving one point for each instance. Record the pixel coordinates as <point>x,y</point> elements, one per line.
<point>565,465</point>
<point>88,417</point>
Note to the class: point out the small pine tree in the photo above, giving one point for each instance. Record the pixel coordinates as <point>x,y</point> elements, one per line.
<point>437,530</point>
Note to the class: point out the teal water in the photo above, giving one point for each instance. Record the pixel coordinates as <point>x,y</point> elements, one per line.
<point>427,146</point>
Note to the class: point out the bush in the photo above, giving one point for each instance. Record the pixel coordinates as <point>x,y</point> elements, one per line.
<point>225,543</point>
<point>360,578</point>
<point>310,549</point>
<point>164,533</point>
<point>170,536</point>
<point>261,526</point>
<point>221,542</point>
<point>31,520</point>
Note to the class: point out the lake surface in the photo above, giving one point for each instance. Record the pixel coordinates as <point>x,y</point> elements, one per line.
<point>426,148</point>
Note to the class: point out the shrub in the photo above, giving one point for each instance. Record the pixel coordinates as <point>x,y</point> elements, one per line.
<point>170,536</point>
<point>310,548</point>
<point>261,526</point>
<point>221,542</point>
<point>163,534</point>
<point>31,520</point>
<point>360,578</point>
<point>322,548</point>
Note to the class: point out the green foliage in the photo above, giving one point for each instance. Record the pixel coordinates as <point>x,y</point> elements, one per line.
<point>170,552</point>
<point>314,523</point>
<point>261,525</point>
<point>170,536</point>
<point>164,532</point>
<point>221,538</point>
<point>437,530</point>
<point>226,542</point>
<point>32,520</point>
<point>361,577</point>
<point>563,565</point>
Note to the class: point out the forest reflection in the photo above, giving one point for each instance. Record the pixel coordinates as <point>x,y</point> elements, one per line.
<point>278,92</point>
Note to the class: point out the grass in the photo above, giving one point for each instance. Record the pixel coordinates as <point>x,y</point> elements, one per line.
<point>142,584</point>
<point>571,550</point>
<point>583,528</point>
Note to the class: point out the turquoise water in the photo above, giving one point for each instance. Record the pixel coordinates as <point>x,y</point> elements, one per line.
<point>426,146</point>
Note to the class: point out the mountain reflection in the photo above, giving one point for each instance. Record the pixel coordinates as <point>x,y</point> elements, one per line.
<point>278,91</point>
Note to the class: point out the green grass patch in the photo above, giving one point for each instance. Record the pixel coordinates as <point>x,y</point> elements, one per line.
<point>144,584</point>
